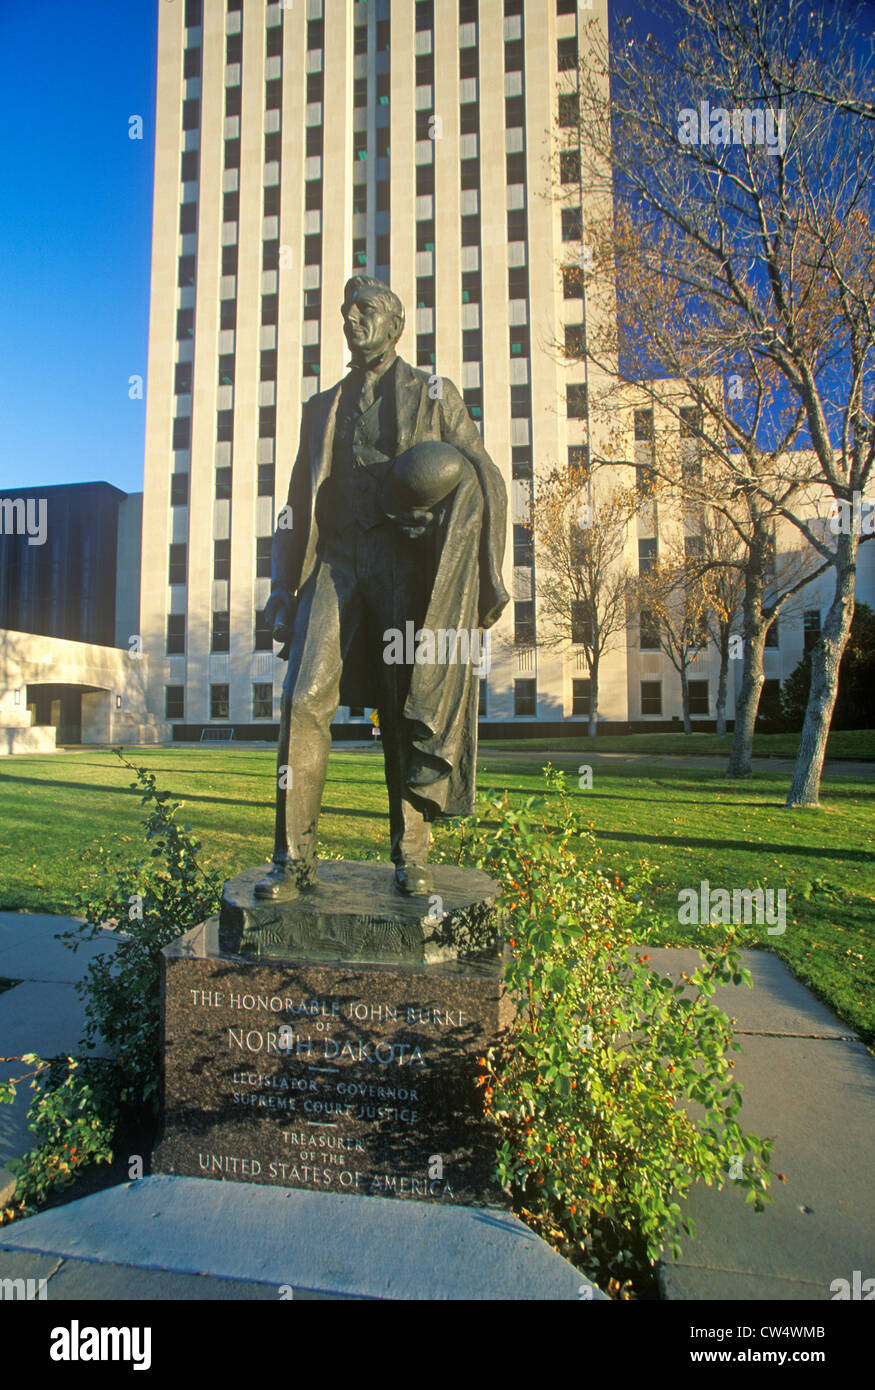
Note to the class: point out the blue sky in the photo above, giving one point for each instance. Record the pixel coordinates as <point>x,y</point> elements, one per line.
<point>75,233</point>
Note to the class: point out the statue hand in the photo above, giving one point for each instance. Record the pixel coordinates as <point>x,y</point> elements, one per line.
<point>279,612</point>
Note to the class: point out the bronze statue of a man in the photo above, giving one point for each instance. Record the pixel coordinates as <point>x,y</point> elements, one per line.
<point>395,529</point>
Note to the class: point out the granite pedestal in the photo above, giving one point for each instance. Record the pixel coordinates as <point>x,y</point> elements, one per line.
<point>332,1042</point>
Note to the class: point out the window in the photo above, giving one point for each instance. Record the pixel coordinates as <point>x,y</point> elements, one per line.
<point>524,623</point>
<point>811,628</point>
<point>188,218</point>
<point>566,6</point>
<point>360,91</point>
<point>651,697</point>
<point>184,324</point>
<point>189,169</point>
<point>471,287</point>
<point>524,699</point>
<point>177,564</point>
<point>313,250</point>
<point>568,108</point>
<point>644,424</point>
<point>266,479</point>
<point>228,314</point>
<point>575,398</point>
<point>314,140</point>
<point>232,101</point>
<point>262,701</point>
<point>275,42</point>
<point>315,86</point>
<point>580,697</point>
<point>690,421</point>
<point>226,369</point>
<point>267,365</point>
<point>648,629</point>
<point>315,33</point>
<point>221,559</point>
<point>175,634</point>
<point>646,555</point>
<point>513,56</point>
<point>223,484</point>
<point>193,13</point>
<point>360,39</point>
<point>516,224</point>
<point>578,459</point>
<point>567,54</point>
<point>218,702</point>
<point>179,490</point>
<point>571,224</point>
<point>519,341</point>
<point>698,697</point>
<point>221,635</point>
<point>515,167</point>
<point>174,702</point>
<point>273,146</point>
<point>521,461</point>
<point>229,260</point>
<point>514,112</point>
<point>523,546</point>
<point>694,550</point>
<point>191,62</point>
<point>469,123</point>
<point>273,95</point>
<point>425,292</point>
<point>234,48</point>
<point>230,207</point>
<point>186,271</point>
<point>263,633</point>
<point>191,114</point>
<point>382,142</point>
<point>645,481</point>
<point>356,711</point>
<point>772,634</point>
<point>467,63</point>
<point>473,398</point>
<point>313,196</point>
<point>263,549</point>
<point>224,425</point>
<point>266,421</point>
<point>517,282</point>
<point>520,402</point>
<point>574,339</point>
<point>182,379</point>
<point>581,623</point>
<point>572,282</point>
<point>382,36</point>
<point>471,350</point>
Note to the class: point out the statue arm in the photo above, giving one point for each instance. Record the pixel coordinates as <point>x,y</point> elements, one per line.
<point>458,429</point>
<point>289,542</point>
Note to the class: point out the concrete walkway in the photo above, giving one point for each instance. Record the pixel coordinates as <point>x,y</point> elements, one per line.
<point>809,1083</point>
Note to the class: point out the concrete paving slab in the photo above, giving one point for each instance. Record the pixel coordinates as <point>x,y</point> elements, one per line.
<point>724,1286</point>
<point>29,949</point>
<point>48,1019</point>
<point>777,1005</point>
<point>816,1099</point>
<point>26,1267</point>
<point>369,1247</point>
<point>85,1281</point>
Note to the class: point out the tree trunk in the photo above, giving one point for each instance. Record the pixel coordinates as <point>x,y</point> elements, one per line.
<point>747,698</point>
<point>825,659</point>
<point>593,699</point>
<point>685,698</point>
<point>722,680</point>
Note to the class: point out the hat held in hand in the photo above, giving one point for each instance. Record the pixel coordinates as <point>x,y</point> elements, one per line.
<point>420,478</point>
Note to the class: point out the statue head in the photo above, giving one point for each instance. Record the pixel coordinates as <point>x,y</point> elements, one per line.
<point>373,317</point>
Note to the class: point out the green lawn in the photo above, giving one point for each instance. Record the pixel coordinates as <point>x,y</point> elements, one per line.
<point>855,745</point>
<point>689,822</point>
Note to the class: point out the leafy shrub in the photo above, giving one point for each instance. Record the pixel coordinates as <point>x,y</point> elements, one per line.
<point>616,1092</point>
<point>72,1117</point>
<point>151,901</point>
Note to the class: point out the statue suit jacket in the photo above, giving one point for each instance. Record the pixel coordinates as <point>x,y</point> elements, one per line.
<point>418,418</point>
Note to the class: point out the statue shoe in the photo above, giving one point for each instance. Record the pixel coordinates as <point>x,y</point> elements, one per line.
<point>284,881</point>
<point>413,878</point>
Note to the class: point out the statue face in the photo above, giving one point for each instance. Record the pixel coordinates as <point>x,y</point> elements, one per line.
<point>369,328</point>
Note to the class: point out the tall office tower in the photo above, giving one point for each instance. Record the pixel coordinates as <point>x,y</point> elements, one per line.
<point>297,143</point>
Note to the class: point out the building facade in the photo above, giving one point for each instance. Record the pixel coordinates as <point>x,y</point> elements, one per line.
<point>413,140</point>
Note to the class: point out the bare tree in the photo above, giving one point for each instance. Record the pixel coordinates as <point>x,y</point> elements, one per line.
<point>740,168</point>
<point>581,577</point>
